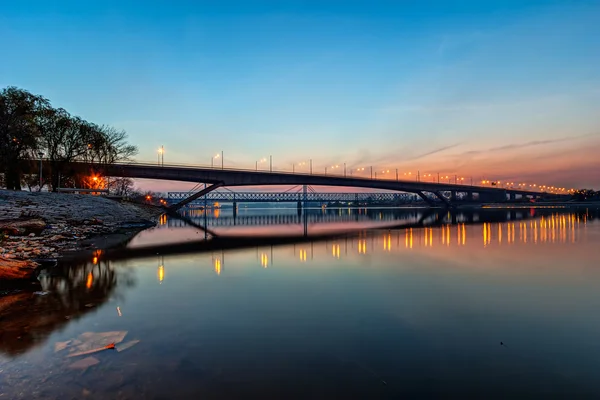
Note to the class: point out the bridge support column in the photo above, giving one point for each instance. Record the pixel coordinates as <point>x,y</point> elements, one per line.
<point>469,196</point>
<point>299,207</point>
<point>235,210</point>
<point>426,199</point>
<point>512,196</point>
<point>443,199</point>
<point>453,197</point>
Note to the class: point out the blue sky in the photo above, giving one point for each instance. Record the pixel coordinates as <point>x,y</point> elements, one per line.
<point>503,89</point>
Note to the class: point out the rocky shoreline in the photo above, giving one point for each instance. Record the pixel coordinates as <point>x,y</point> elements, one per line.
<point>41,227</point>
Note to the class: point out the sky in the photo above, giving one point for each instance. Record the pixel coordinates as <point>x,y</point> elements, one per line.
<point>496,89</point>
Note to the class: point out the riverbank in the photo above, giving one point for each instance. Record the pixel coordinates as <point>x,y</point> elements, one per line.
<point>46,226</point>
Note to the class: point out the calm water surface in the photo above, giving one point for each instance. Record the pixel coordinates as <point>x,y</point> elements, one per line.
<point>382,311</point>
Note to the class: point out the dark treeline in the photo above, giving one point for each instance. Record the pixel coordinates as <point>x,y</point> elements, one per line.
<point>30,129</point>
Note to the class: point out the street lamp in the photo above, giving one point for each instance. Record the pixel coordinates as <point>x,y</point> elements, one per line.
<point>161,155</point>
<point>212,160</point>
<point>41,154</point>
<point>300,164</point>
<point>262,160</point>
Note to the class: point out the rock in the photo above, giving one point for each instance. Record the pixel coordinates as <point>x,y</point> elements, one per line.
<point>16,269</point>
<point>18,227</point>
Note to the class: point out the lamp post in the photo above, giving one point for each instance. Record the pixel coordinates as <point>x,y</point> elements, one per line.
<point>161,155</point>
<point>311,166</point>
<point>222,160</point>
<point>262,160</point>
<point>41,154</point>
<point>371,172</point>
<point>212,160</point>
<point>344,170</point>
<point>270,163</point>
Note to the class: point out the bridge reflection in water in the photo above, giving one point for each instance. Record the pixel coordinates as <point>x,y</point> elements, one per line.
<point>489,230</point>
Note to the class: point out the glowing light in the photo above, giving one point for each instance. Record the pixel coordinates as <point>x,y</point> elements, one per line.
<point>387,242</point>
<point>217,263</point>
<point>335,251</point>
<point>362,246</point>
<point>264,260</point>
<point>90,280</point>
<point>161,274</point>
<point>302,255</point>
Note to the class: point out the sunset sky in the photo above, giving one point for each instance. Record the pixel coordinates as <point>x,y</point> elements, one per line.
<point>495,89</point>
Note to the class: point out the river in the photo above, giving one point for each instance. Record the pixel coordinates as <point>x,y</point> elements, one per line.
<point>344,303</point>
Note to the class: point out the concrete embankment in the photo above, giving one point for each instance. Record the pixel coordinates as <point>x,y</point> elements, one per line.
<point>46,226</point>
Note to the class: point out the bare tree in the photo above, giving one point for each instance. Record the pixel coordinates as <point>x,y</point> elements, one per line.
<point>121,186</point>
<point>108,145</point>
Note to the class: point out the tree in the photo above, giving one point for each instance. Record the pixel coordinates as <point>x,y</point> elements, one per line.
<point>29,125</point>
<point>108,145</point>
<point>121,187</point>
<point>18,131</point>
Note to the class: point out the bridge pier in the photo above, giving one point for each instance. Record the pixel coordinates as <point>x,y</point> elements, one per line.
<point>235,210</point>
<point>193,197</point>
<point>443,199</point>
<point>453,196</point>
<point>426,199</point>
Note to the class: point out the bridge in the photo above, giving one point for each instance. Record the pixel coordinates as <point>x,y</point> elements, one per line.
<point>221,196</point>
<point>226,177</point>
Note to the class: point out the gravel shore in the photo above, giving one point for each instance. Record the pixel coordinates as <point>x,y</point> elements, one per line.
<point>36,226</point>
